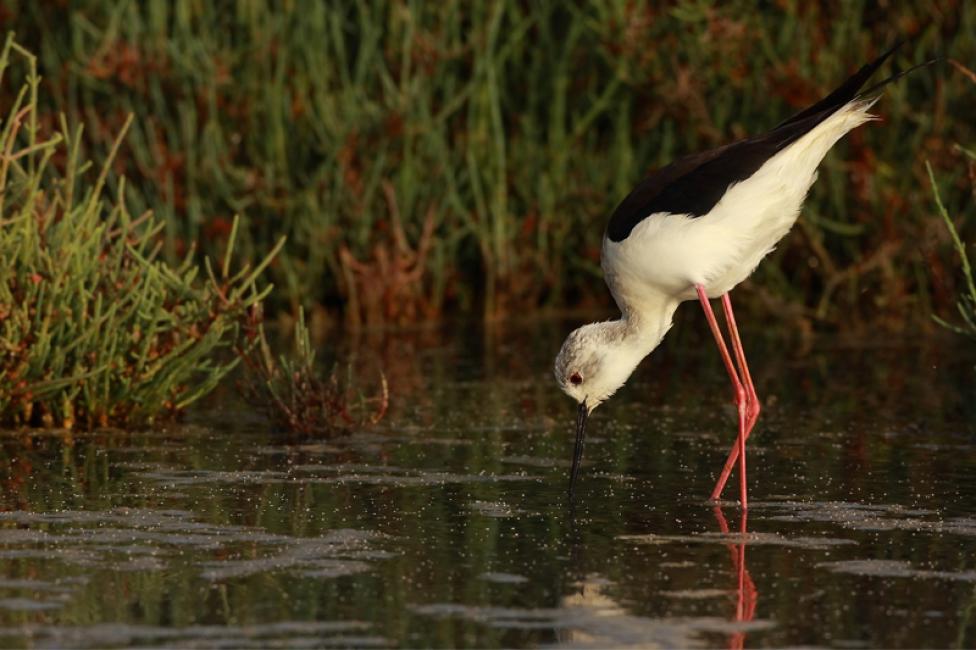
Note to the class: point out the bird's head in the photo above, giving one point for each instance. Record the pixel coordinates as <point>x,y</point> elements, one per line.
<point>594,362</point>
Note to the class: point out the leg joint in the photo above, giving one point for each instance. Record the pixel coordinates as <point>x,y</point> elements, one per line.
<point>741,397</point>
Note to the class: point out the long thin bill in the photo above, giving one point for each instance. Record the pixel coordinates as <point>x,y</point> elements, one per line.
<point>578,449</point>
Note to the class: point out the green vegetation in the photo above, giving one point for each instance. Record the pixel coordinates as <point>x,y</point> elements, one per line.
<point>95,329</point>
<point>464,156</point>
<point>966,305</point>
<point>966,302</point>
<point>296,399</point>
<point>421,159</point>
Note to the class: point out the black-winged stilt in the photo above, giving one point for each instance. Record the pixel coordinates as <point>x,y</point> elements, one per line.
<point>694,230</point>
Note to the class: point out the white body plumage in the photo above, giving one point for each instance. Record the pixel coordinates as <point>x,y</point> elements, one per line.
<point>669,254</point>
<point>665,256</point>
<point>695,229</point>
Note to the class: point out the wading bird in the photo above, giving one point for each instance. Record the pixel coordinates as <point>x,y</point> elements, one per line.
<point>694,230</point>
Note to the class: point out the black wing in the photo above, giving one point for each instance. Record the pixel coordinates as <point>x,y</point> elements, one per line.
<point>694,184</point>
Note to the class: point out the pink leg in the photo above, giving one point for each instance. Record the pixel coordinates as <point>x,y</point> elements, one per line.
<point>741,398</point>
<point>752,402</point>
<point>752,406</point>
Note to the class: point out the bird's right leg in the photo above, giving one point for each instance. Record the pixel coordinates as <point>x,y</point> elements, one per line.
<point>741,398</point>
<point>752,406</point>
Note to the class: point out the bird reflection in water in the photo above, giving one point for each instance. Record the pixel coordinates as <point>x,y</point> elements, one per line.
<point>746,594</point>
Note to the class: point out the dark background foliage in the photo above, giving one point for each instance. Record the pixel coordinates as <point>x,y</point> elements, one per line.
<point>463,157</point>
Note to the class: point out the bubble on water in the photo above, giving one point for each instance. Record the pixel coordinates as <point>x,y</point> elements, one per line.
<point>894,569</point>
<point>495,509</point>
<point>537,461</point>
<point>292,634</point>
<point>696,594</point>
<point>596,624</point>
<point>867,517</point>
<point>503,578</point>
<point>133,539</point>
<point>750,539</point>
<point>27,605</point>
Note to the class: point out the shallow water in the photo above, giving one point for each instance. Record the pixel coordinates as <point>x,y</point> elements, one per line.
<point>448,524</point>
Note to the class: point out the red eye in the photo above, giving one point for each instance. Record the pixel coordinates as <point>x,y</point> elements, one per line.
<point>576,379</point>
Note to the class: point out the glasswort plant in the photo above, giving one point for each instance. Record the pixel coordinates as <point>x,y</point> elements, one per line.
<point>96,330</point>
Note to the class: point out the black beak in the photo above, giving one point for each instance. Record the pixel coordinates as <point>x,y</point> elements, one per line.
<point>578,449</point>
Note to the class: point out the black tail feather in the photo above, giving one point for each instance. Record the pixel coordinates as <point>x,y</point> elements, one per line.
<point>897,76</point>
<point>847,90</point>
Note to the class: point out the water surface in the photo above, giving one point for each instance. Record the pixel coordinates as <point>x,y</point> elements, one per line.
<point>447,525</point>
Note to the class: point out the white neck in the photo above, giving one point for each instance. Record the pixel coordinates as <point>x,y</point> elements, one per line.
<point>606,353</point>
<point>617,347</point>
<point>645,322</point>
